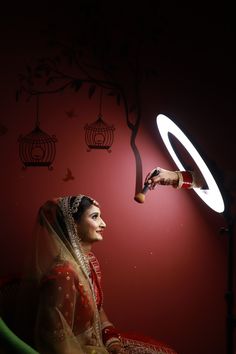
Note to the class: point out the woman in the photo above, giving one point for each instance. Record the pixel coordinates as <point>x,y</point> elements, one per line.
<point>70,318</point>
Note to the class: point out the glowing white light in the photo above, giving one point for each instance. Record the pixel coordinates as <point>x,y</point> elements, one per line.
<point>211,196</point>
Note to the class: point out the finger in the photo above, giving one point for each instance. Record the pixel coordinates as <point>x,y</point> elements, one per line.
<point>149,174</point>
<point>147,178</point>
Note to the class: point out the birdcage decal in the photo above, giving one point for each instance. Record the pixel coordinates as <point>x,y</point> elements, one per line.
<point>99,135</point>
<point>37,149</point>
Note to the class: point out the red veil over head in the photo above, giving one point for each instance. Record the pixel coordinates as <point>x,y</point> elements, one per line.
<point>57,301</point>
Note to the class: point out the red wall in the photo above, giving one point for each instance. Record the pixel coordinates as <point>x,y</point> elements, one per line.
<point>164,262</point>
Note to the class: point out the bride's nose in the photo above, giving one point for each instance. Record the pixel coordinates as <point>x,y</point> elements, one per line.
<point>103,224</point>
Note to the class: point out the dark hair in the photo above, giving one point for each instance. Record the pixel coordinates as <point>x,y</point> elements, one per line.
<point>85,203</point>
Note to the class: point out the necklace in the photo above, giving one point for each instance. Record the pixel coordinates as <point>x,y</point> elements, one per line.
<point>83,262</point>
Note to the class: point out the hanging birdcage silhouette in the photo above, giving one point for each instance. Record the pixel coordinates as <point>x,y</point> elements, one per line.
<point>37,149</point>
<point>99,135</point>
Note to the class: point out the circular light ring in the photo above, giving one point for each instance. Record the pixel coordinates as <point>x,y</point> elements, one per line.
<point>211,196</point>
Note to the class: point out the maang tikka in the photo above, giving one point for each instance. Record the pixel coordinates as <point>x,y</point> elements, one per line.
<point>76,203</point>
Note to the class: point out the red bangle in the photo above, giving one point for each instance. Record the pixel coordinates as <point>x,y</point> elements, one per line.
<point>187,179</point>
<point>109,332</point>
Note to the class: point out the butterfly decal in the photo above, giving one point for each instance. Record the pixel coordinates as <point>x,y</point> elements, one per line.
<point>68,176</point>
<point>71,113</point>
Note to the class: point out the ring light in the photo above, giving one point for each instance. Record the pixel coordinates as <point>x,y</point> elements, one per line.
<point>211,196</point>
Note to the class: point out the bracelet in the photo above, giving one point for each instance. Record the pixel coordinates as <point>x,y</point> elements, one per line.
<point>185,179</point>
<point>111,342</point>
<point>110,335</point>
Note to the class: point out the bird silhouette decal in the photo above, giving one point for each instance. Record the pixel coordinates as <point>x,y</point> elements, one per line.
<point>68,176</point>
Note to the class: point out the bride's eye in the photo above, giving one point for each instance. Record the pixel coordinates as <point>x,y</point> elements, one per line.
<point>94,216</point>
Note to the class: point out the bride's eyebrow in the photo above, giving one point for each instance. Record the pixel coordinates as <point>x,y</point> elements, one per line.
<point>94,213</point>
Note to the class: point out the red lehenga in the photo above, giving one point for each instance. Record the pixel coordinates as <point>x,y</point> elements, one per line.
<point>69,294</point>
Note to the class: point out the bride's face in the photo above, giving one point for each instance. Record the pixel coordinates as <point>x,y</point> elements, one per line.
<point>91,225</point>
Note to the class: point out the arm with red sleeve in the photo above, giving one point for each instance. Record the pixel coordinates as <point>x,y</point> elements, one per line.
<point>56,312</point>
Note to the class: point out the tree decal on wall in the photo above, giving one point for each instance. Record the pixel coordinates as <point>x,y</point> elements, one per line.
<point>93,50</point>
